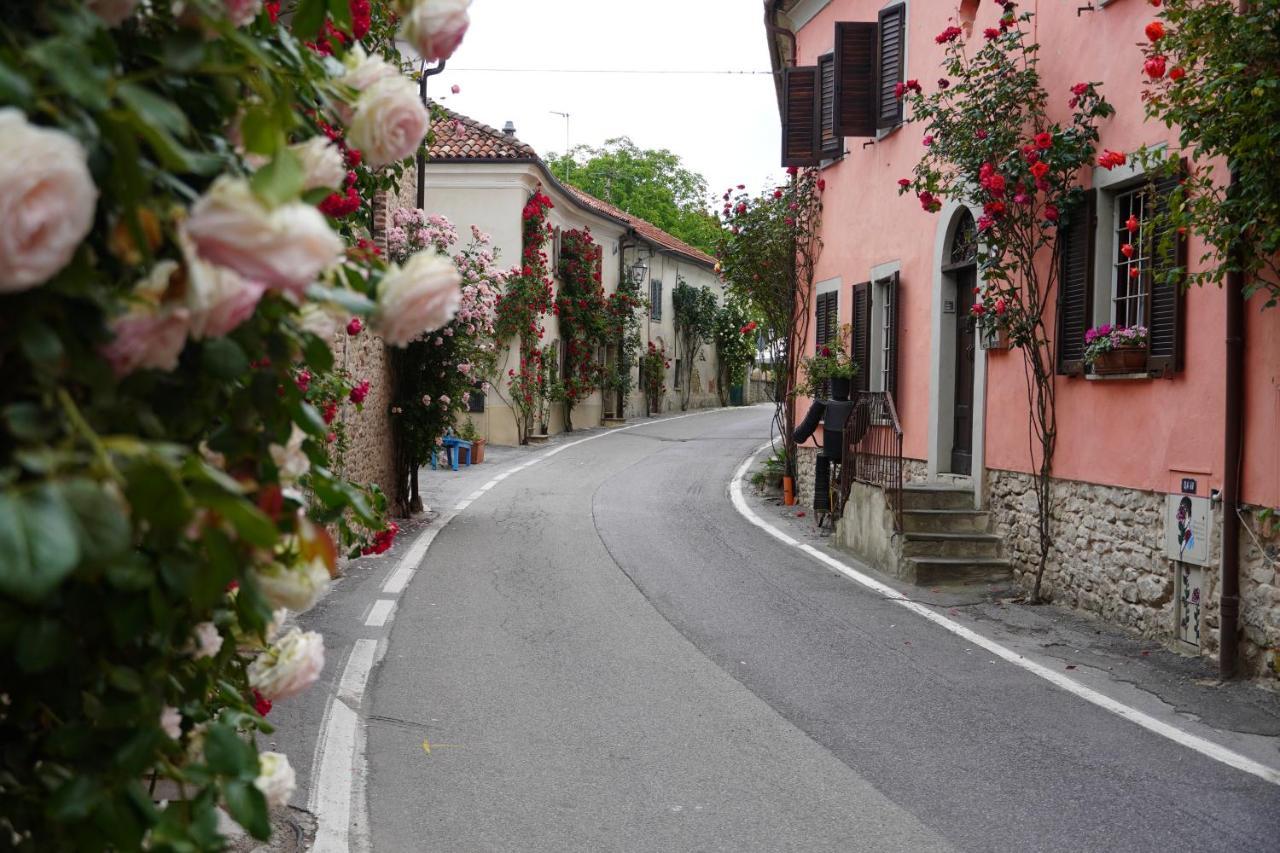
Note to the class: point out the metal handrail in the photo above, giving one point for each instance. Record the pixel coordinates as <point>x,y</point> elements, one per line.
<point>873,449</point>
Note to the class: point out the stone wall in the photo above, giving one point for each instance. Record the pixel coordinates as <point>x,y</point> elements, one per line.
<point>370,455</point>
<point>913,471</point>
<point>1108,560</point>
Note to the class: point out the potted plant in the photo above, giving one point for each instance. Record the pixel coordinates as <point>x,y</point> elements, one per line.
<point>829,364</point>
<point>469,432</point>
<point>1116,349</point>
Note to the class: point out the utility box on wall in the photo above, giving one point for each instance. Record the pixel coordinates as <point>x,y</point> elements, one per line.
<point>1188,534</point>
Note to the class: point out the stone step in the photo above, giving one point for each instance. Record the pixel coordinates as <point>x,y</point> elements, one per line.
<point>951,545</point>
<point>924,571</point>
<point>946,521</point>
<point>936,497</point>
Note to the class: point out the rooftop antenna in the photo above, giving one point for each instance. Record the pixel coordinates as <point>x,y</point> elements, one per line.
<point>567,160</point>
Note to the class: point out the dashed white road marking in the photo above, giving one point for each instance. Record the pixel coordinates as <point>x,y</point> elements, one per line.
<point>380,612</point>
<point>1205,747</point>
<point>356,673</point>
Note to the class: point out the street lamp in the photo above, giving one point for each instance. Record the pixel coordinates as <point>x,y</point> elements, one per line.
<point>639,270</point>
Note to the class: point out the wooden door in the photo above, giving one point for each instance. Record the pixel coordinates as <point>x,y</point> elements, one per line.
<point>966,348</point>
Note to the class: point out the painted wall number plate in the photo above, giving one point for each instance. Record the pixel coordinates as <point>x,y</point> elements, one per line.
<point>1188,486</point>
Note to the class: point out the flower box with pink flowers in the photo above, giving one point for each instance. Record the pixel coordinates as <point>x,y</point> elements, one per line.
<point>1116,349</point>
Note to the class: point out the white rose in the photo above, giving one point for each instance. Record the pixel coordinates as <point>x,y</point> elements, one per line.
<point>420,297</point>
<point>435,27</point>
<point>298,587</point>
<point>275,779</point>
<point>220,299</point>
<point>208,642</point>
<point>390,121</point>
<point>242,12</point>
<point>291,459</point>
<point>362,70</point>
<point>289,666</point>
<point>322,164</point>
<point>323,320</point>
<point>171,722</point>
<point>112,12</point>
<point>283,248</point>
<point>46,207</point>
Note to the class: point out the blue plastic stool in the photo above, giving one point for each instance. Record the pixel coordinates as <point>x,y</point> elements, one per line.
<point>452,444</point>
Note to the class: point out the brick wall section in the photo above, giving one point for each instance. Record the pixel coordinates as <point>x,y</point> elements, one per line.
<point>1108,560</point>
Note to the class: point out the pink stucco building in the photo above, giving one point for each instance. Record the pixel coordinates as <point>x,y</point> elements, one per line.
<point>1125,444</point>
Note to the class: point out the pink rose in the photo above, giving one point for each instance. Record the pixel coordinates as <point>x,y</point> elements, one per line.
<point>322,163</point>
<point>112,12</point>
<point>242,12</point>
<point>422,296</point>
<point>390,121</point>
<point>47,204</point>
<point>435,27</point>
<point>219,298</point>
<point>147,337</point>
<point>284,248</point>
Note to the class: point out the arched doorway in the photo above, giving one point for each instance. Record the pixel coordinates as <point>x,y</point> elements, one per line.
<point>958,368</point>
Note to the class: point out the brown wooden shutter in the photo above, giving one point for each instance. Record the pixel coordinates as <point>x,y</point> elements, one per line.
<point>890,52</point>
<point>860,346</point>
<point>1075,284</point>
<point>854,69</point>
<point>1169,254</point>
<point>891,328</point>
<point>830,142</point>
<point>800,132</point>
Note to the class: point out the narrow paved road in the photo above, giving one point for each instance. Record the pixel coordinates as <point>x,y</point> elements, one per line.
<point>601,654</point>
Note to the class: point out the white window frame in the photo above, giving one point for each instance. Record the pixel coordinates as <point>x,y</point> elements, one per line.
<point>1111,184</point>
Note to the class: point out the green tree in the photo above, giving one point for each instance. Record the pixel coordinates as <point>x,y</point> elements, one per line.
<point>695,321</point>
<point>652,184</point>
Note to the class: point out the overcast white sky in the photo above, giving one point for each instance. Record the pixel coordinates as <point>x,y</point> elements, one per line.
<point>724,126</point>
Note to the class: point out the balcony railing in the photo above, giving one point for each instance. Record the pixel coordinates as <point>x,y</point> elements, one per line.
<point>873,449</point>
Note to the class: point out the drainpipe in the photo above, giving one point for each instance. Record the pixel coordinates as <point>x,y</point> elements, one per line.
<point>1233,456</point>
<point>422,149</point>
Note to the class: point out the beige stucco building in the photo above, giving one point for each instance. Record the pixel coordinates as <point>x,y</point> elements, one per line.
<point>477,175</point>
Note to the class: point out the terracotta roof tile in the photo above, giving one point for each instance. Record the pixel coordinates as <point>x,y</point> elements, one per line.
<point>460,138</point>
<point>644,228</point>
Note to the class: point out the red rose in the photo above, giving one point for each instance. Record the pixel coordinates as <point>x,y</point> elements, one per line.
<point>777,193</point>
<point>1039,169</point>
<point>1176,73</point>
<point>949,34</point>
<point>914,86</point>
<point>904,182</point>
<point>261,703</point>
<point>990,33</point>
<point>943,83</point>
<point>359,392</point>
<point>1051,213</point>
<point>1079,89</point>
<point>1154,67</point>
<point>822,185</point>
<point>1127,250</point>
<point>355,327</point>
<point>1110,159</point>
<point>1155,31</point>
<point>1132,223</point>
<point>899,89</point>
<point>1044,140</point>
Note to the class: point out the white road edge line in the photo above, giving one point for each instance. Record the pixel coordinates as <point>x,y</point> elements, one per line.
<point>1195,742</point>
<point>338,749</point>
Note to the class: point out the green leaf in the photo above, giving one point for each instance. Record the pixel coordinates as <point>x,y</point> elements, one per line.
<point>38,542</point>
<point>75,799</point>
<point>308,19</point>
<point>224,358</point>
<point>103,526</point>
<point>280,180</point>
<point>40,645</point>
<point>311,421</point>
<point>252,525</point>
<point>68,63</point>
<point>262,134</point>
<point>249,808</point>
<point>28,422</point>
<point>317,353</point>
<point>14,88</point>
<point>356,303</point>
<point>40,344</point>
<point>155,109</point>
<point>227,754</point>
<point>123,678</point>
<point>156,495</point>
<point>340,11</point>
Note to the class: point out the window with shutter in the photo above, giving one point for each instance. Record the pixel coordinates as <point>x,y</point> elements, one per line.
<point>827,325</point>
<point>889,335</point>
<point>801,136</point>
<point>854,70</point>
<point>831,143</point>
<point>1168,251</point>
<point>860,346</point>
<point>890,56</point>
<point>1075,285</point>
<point>655,299</point>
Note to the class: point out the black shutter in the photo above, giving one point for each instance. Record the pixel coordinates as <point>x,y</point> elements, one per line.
<point>820,330</point>
<point>1075,284</point>
<point>800,133</point>
<point>1169,254</point>
<point>831,143</point>
<point>860,346</point>
<point>889,64</point>
<point>855,79</point>
<point>891,328</point>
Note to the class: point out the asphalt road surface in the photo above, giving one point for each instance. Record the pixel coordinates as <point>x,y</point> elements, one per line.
<point>600,653</point>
